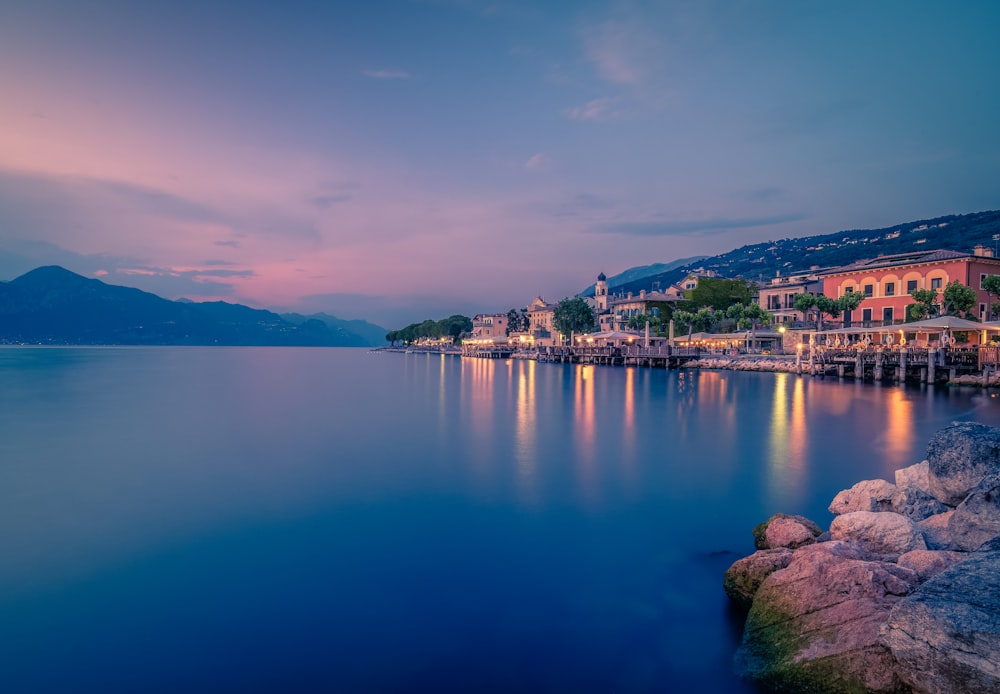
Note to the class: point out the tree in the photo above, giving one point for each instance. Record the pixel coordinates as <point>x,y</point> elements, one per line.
<point>639,323</point>
<point>455,326</point>
<point>991,285</point>
<point>926,305</point>
<point>573,316</point>
<point>958,298</point>
<point>718,293</point>
<point>850,301</point>
<point>517,321</point>
<point>804,303</point>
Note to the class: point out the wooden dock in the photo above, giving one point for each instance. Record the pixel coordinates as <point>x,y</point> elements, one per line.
<point>875,364</point>
<point>905,364</point>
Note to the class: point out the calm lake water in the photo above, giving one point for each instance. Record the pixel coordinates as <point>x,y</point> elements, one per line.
<point>263,520</point>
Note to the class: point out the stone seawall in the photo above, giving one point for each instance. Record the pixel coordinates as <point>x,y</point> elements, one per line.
<point>901,594</point>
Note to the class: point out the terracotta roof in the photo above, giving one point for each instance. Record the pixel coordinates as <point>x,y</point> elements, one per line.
<point>898,259</point>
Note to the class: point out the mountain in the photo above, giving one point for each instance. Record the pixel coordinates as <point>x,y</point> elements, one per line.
<point>51,305</point>
<point>638,274</point>
<point>362,332</point>
<point>763,261</point>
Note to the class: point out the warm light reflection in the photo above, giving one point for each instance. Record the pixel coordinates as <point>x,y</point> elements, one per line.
<point>787,438</point>
<point>628,453</point>
<point>525,433</point>
<point>586,432</point>
<point>900,432</point>
<point>478,374</point>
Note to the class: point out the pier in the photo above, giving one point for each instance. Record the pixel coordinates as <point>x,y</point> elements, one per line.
<point>880,364</point>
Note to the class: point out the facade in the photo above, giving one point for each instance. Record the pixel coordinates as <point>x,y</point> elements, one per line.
<point>541,323</point>
<point>489,327</point>
<point>778,297</point>
<point>622,309</point>
<point>691,281</point>
<point>887,282</point>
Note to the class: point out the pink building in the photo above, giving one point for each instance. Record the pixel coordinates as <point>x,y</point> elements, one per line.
<point>888,281</point>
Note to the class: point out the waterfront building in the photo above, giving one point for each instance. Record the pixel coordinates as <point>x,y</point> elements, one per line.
<point>888,281</point>
<point>622,309</point>
<point>541,323</point>
<point>778,296</point>
<point>489,327</point>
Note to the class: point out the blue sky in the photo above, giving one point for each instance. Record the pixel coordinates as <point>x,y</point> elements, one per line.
<point>408,159</point>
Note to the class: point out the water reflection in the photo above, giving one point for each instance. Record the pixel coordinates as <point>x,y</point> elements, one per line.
<point>585,433</point>
<point>628,452</point>
<point>787,439</point>
<point>900,431</point>
<point>525,449</point>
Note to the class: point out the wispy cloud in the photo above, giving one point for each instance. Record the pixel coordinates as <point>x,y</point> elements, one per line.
<point>536,161</point>
<point>326,201</point>
<point>595,110</point>
<point>694,227</point>
<point>612,47</point>
<point>387,74</point>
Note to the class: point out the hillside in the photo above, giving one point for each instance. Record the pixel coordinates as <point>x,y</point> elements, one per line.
<point>51,305</point>
<point>762,261</point>
<point>642,272</point>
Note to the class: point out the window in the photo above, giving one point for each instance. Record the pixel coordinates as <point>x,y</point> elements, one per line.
<point>982,311</point>
<point>911,286</point>
<point>890,289</point>
<point>869,290</point>
<point>936,283</point>
<point>866,315</point>
<point>887,315</point>
<point>982,278</point>
<point>655,311</point>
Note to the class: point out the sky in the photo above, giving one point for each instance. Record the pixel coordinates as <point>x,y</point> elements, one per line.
<point>396,160</point>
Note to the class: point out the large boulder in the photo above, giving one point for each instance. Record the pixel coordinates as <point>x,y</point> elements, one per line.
<point>917,475</point>
<point>878,535</point>
<point>869,495</point>
<point>814,625</point>
<point>946,635</point>
<point>782,530</point>
<point>959,457</point>
<point>977,519</point>
<point>744,577</point>
<point>935,530</point>
<point>915,503</point>
<point>928,563</point>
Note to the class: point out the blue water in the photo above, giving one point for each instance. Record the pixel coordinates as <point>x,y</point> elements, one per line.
<point>264,520</point>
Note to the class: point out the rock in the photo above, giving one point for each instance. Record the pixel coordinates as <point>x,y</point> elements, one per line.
<point>915,503</point>
<point>782,530</point>
<point>928,563</point>
<point>814,625</point>
<point>870,495</point>
<point>914,476</point>
<point>878,535</point>
<point>935,530</point>
<point>790,532</point>
<point>959,457</point>
<point>946,635</point>
<point>744,577</point>
<point>977,519</point>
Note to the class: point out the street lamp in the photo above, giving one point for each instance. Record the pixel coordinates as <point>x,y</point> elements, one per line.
<point>781,342</point>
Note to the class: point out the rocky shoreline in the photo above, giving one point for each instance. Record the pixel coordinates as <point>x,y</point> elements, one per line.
<point>900,595</point>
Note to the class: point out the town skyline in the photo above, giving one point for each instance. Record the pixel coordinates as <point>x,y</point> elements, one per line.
<point>426,158</point>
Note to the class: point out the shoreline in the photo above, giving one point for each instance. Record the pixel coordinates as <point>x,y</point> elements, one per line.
<point>764,363</point>
<point>900,595</point>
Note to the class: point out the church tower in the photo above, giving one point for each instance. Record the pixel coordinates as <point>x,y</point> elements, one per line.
<point>601,293</point>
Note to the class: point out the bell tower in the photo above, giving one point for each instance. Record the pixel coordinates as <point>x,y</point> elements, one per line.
<point>601,293</point>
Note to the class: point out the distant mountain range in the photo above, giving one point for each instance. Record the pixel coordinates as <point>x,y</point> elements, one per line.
<point>763,261</point>
<point>51,305</point>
